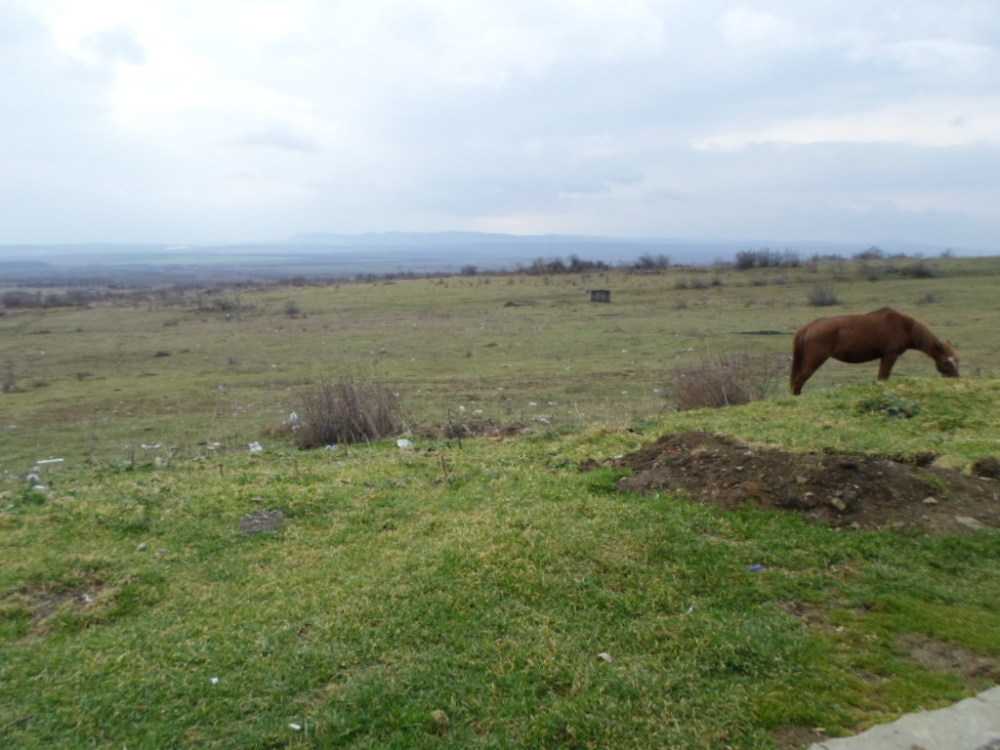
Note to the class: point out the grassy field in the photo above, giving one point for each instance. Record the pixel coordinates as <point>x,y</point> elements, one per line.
<point>461,594</point>
<point>90,383</point>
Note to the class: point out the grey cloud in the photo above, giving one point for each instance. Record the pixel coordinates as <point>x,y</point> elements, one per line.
<point>588,135</point>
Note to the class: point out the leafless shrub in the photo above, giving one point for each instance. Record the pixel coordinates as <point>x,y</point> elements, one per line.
<point>347,412</point>
<point>918,270</point>
<point>870,273</point>
<point>872,253</point>
<point>928,298</point>
<point>292,309</point>
<point>766,258</point>
<point>727,379</point>
<point>649,262</point>
<point>823,295</point>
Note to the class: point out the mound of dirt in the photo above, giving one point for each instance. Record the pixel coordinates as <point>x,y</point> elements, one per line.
<point>852,490</point>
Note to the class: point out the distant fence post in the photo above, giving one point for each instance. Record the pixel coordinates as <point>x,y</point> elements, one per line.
<point>600,295</point>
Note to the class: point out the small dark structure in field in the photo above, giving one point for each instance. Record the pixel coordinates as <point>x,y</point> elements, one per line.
<point>883,334</point>
<point>600,295</point>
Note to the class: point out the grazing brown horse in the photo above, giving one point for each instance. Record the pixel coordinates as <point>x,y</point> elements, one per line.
<point>883,334</point>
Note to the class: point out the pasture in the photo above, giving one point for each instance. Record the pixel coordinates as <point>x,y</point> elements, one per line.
<point>492,592</point>
<point>180,371</point>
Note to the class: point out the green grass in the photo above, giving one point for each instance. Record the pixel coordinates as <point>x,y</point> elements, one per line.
<point>91,377</point>
<point>481,581</point>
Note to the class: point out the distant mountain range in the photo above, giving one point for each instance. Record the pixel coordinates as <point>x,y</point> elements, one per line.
<point>332,254</point>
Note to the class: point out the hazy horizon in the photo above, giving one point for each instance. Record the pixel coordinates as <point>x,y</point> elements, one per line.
<point>763,122</point>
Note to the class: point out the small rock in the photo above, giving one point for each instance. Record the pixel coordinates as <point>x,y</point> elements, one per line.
<point>930,501</point>
<point>839,504</point>
<point>404,444</point>
<point>255,447</point>
<point>262,521</point>
<point>142,547</point>
<point>801,479</point>
<point>440,720</point>
<point>970,523</point>
<point>605,657</point>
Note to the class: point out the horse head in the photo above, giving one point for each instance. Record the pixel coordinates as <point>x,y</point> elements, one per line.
<point>947,360</point>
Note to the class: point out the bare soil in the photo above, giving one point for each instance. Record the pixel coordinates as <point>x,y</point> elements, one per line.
<point>939,656</point>
<point>841,489</point>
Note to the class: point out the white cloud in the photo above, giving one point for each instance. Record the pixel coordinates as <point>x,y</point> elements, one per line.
<point>934,123</point>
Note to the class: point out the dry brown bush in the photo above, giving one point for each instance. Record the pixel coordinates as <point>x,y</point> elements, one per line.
<point>347,412</point>
<point>727,379</point>
<point>823,295</point>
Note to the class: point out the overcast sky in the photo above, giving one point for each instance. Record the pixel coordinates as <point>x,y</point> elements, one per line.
<point>234,120</point>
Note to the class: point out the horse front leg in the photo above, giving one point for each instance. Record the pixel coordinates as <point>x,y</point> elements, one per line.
<point>808,367</point>
<point>885,368</point>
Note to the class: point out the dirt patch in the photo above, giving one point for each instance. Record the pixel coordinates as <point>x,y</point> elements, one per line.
<point>798,738</point>
<point>44,602</point>
<point>987,467</point>
<point>808,614</point>
<point>939,656</point>
<point>475,427</point>
<point>844,490</point>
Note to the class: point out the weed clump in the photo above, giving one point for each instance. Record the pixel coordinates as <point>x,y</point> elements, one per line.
<point>823,295</point>
<point>890,405</point>
<point>727,380</point>
<point>347,412</point>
